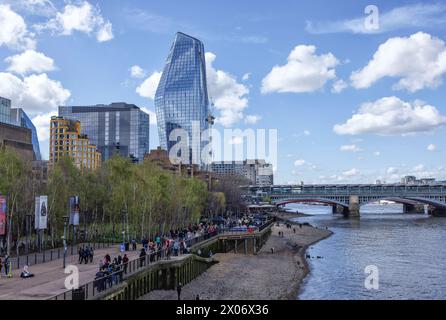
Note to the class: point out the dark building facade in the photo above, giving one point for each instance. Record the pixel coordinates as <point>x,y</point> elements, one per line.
<point>117,128</point>
<point>18,139</point>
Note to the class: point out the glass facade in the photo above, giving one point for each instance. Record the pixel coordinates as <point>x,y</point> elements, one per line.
<point>5,110</point>
<point>181,99</point>
<point>118,128</point>
<point>21,119</point>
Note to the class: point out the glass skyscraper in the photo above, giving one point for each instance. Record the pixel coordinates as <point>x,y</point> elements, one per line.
<point>117,128</point>
<point>21,119</point>
<point>181,98</point>
<point>5,110</point>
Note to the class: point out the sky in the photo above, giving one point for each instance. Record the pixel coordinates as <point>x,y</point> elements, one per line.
<point>356,93</point>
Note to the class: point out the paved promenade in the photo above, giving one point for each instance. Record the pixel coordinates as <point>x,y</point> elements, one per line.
<point>49,278</point>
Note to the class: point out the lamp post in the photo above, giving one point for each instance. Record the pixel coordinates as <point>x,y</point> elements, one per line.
<point>65,223</point>
<point>123,212</point>
<point>28,230</point>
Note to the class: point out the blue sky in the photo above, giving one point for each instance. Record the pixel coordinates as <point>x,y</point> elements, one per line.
<point>272,65</point>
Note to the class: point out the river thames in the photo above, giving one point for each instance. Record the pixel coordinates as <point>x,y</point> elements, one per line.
<point>408,250</point>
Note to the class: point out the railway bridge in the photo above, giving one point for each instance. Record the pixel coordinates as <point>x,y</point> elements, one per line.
<point>347,199</point>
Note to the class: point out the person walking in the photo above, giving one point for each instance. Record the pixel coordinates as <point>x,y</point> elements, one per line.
<point>8,271</point>
<point>179,290</point>
<point>142,257</point>
<point>125,261</point>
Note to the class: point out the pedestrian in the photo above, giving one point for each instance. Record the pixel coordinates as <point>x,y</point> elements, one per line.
<point>125,261</point>
<point>272,250</point>
<point>197,297</point>
<point>133,244</point>
<point>86,255</point>
<point>8,267</point>
<point>294,230</point>
<point>179,291</point>
<point>1,265</point>
<point>91,254</point>
<point>80,255</point>
<point>142,257</point>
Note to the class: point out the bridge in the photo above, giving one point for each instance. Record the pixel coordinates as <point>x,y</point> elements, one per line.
<point>347,198</point>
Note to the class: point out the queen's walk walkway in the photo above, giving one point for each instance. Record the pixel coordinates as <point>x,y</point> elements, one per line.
<point>49,278</point>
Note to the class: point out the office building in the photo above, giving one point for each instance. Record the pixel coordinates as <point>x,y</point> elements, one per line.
<point>256,172</point>
<point>21,119</point>
<point>18,139</point>
<point>66,140</point>
<point>181,99</point>
<point>5,110</point>
<point>117,128</point>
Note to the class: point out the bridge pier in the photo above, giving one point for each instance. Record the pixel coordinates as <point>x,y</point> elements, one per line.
<point>410,208</point>
<point>438,212</point>
<point>338,209</point>
<point>353,207</point>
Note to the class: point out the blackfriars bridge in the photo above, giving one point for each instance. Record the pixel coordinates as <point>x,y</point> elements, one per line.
<point>347,198</point>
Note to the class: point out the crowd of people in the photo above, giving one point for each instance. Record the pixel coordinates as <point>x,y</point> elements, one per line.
<point>110,271</point>
<point>86,254</point>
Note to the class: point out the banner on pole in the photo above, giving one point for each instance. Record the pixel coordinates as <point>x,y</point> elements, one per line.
<point>41,213</point>
<point>3,209</point>
<point>74,210</point>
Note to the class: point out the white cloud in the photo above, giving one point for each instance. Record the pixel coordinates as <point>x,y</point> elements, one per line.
<point>419,61</point>
<point>307,132</point>
<point>228,95</point>
<point>246,76</point>
<point>137,72</point>
<point>36,94</point>
<point>350,148</point>
<point>35,7</point>
<point>377,153</point>
<point>419,168</point>
<point>42,124</point>
<point>252,119</point>
<point>299,162</point>
<point>105,32</point>
<point>351,173</point>
<point>153,120</point>
<point>339,86</point>
<point>411,16</point>
<point>305,71</point>
<point>392,116</point>
<point>147,89</point>
<point>13,30</point>
<point>30,61</point>
<point>81,17</point>
<point>392,170</point>
<point>431,147</point>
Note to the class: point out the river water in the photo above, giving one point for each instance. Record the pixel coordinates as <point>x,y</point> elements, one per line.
<point>408,251</point>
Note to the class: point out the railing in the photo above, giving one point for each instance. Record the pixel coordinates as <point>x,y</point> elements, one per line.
<point>99,286</point>
<point>48,255</point>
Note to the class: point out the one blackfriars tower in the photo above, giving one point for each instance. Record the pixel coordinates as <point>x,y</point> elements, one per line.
<point>181,99</point>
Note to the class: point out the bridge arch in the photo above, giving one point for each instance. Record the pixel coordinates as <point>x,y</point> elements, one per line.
<point>282,202</point>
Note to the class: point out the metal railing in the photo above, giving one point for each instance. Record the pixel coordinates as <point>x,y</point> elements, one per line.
<point>48,255</point>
